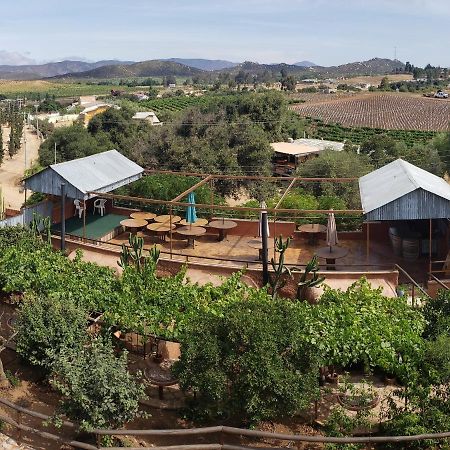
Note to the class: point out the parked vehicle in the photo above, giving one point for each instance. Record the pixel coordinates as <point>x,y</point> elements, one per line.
<point>441,94</point>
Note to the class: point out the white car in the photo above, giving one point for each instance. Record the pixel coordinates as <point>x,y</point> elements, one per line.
<point>441,94</point>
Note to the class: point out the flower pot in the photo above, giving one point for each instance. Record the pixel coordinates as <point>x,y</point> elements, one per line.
<point>158,358</point>
<point>332,378</point>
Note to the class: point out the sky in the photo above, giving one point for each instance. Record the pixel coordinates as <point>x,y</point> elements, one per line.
<point>327,32</point>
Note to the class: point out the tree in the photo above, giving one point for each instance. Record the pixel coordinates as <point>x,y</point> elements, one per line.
<point>332,164</point>
<point>46,325</point>
<point>97,389</point>
<point>384,84</point>
<point>248,363</point>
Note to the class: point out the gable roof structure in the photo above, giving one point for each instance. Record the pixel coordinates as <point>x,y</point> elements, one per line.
<point>102,172</point>
<point>400,191</point>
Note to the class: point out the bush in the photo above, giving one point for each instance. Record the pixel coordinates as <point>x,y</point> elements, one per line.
<point>46,325</point>
<point>97,389</point>
<point>246,363</point>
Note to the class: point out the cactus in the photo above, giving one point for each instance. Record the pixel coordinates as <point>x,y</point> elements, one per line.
<point>281,271</point>
<point>133,254</point>
<point>309,278</point>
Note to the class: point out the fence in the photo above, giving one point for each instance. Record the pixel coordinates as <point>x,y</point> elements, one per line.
<point>221,433</point>
<point>26,216</point>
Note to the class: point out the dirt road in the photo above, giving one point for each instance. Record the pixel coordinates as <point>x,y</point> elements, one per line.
<point>12,169</point>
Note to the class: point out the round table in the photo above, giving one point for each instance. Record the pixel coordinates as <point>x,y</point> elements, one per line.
<point>312,229</point>
<point>257,244</point>
<point>134,224</point>
<point>142,215</point>
<point>191,232</point>
<point>166,218</point>
<point>223,226</point>
<point>160,229</point>
<point>198,223</point>
<point>331,256</point>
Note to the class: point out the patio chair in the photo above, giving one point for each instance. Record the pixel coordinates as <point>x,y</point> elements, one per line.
<point>100,205</point>
<point>78,208</point>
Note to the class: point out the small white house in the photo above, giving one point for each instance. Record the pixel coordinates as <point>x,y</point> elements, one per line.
<point>148,116</point>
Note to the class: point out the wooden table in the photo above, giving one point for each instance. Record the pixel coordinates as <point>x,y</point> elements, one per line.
<point>257,244</point>
<point>331,256</point>
<point>191,232</point>
<point>142,215</point>
<point>160,229</point>
<point>313,230</point>
<point>223,226</point>
<point>166,218</point>
<point>134,224</point>
<point>198,223</point>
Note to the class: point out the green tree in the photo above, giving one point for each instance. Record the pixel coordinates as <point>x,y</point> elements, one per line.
<point>97,389</point>
<point>46,325</point>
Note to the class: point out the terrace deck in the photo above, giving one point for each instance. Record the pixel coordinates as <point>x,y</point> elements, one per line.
<point>97,227</point>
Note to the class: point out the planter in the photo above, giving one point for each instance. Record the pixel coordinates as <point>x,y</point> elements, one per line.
<point>332,378</point>
<point>158,358</point>
<point>357,402</point>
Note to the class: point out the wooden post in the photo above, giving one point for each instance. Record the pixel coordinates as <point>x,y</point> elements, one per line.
<point>430,249</point>
<point>19,431</point>
<point>84,220</point>
<point>265,255</point>
<point>63,217</point>
<point>211,186</point>
<point>368,242</point>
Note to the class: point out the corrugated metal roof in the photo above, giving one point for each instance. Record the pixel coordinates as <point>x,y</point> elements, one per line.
<point>102,172</point>
<point>395,180</point>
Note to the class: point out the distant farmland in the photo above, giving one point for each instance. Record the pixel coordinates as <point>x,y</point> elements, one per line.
<point>387,111</point>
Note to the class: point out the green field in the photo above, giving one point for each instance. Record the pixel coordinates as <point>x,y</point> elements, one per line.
<point>335,132</point>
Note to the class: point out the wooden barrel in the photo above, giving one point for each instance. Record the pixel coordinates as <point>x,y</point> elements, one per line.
<point>396,242</point>
<point>411,248</point>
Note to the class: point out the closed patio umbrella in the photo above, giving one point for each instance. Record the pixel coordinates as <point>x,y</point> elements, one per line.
<point>263,207</point>
<point>191,214</point>
<point>332,237</point>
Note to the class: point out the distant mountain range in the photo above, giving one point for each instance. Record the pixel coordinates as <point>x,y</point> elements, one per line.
<point>305,64</point>
<point>36,71</point>
<point>204,64</point>
<point>204,68</point>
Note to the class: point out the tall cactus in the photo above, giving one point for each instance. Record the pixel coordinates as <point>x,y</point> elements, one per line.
<point>280,271</point>
<point>309,278</point>
<point>133,254</point>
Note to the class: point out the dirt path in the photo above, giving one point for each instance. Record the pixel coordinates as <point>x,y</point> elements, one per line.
<point>12,169</point>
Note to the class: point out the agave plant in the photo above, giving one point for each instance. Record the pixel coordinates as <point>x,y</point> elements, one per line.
<point>280,271</point>
<point>309,278</point>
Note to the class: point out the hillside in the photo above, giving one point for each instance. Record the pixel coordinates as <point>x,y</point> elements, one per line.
<point>374,66</point>
<point>37,71</point>
<point>204,64</point>
<point>305,64</point>
<point>154,68</point>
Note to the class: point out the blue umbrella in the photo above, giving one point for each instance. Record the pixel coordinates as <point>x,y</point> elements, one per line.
<point>191,214</point>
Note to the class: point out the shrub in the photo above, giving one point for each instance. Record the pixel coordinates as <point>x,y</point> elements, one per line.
<point>246,363</point>
<point>97,389</point>
<point>46,325</point>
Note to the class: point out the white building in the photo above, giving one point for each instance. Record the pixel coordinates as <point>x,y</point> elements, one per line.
<point>148,116</point>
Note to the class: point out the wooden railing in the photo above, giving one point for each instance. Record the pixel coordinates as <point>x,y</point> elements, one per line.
<point>221,432</point>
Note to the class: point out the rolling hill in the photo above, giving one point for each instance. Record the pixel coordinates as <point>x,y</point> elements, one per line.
<point>153,68</point>
<point>204,64</point>
<point>37,71</point>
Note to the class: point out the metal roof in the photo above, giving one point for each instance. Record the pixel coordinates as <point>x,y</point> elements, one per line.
<point>102,172</point>
<point>305,146</point>
<point>390,188</point>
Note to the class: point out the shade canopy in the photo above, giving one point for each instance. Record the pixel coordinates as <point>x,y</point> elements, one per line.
<point>263,207</point>
<point>102,172</point>
<point>332,237</point>
<point>402,191</point>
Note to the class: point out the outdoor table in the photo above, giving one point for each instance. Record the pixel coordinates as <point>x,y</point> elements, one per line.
<point>143,215</point>
<point>331,256</point>
<point>133,224</point>
<point>257,244</point>
<point>166,218</point>
<point>160,378</point>
<point>223,226</point>
<point>313,230</point>
<point>160,229</point>
<point>198,223</point>
<point>191,232</point>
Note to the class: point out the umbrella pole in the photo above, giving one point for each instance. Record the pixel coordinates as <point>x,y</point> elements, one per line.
<point>265,262</point>
<point>430,250</point>
<point>84,220</point>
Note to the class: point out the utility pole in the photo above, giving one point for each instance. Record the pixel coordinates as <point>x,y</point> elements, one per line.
<point>55,152</point>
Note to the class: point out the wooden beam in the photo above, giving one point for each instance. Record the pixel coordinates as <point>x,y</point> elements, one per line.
<point>302,212</point>
<point>192,188</point>
<point>291,185</point>
<point>248,177</point>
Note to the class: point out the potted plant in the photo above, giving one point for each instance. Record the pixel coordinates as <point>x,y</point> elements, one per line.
<point>309,279</point>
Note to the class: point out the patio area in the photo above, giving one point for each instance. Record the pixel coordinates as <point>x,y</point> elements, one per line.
<point>98,227</point>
